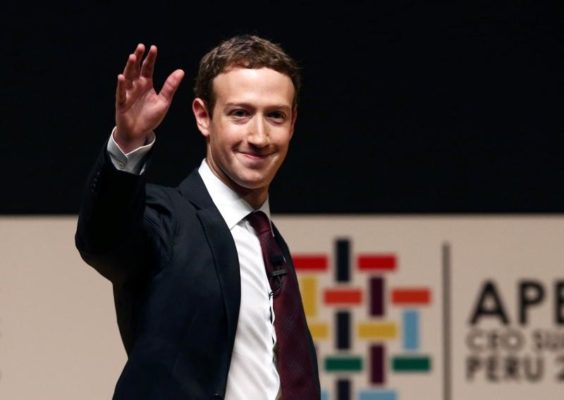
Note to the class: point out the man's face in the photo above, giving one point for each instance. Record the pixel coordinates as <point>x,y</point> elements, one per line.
<point>249,134</point>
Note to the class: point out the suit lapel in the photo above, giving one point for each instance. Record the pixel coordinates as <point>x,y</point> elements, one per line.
<point>222,246</point>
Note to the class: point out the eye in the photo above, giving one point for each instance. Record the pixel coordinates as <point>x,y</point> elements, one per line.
<point>238,113</point>
<point>277,116</point>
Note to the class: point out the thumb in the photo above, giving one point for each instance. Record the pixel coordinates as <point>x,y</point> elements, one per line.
<point>171,84</point>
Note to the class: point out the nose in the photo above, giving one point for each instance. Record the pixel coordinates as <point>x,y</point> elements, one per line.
<point>258,132</point>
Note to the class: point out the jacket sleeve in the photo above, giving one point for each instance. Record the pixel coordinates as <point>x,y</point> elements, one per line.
<point>117,233</point>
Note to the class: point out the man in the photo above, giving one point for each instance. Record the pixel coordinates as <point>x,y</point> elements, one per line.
<point>205,291</point>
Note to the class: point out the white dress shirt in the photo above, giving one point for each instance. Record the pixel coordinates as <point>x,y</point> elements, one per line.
<point>252,373</point>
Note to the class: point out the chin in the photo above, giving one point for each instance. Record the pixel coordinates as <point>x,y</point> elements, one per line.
<point>252,184</point>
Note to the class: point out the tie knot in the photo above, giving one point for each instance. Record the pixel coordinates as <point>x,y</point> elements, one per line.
<point>259,221</point>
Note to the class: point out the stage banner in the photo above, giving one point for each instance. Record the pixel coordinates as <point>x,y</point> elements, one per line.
<point>400,307</point>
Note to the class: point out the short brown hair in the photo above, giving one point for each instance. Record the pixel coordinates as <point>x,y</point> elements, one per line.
<point>246,51</point>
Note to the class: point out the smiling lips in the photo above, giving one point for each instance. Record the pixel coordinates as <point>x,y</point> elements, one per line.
<point>255,158</point>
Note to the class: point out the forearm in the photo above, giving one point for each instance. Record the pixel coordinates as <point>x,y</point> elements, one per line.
<point>110,226</point>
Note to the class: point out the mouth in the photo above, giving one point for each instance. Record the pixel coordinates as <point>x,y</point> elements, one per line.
<point>255,157</point>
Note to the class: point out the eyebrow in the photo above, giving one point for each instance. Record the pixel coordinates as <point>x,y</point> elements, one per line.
<point>249,105</point>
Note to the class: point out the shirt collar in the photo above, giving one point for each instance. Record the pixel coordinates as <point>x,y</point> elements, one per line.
<point>230,205</point>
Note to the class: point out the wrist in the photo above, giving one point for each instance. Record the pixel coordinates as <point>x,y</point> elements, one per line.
<point>127,144</point>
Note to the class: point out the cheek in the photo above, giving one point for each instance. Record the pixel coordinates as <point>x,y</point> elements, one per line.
<point>223,142</point>
<point>228,134</point>
<point>283,140</point>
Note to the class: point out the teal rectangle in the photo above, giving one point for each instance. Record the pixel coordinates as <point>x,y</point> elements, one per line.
<point>377,395</point>
<point>343,364</point>
<point>411,330</point>
<point>411,364</point>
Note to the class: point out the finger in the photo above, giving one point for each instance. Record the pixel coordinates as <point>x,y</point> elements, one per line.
<point>121,95</point>
<point>139,50</point>
<point>148,66</point>
<point>171,84</point>
<point>129,70</point>
<point>132,66</point>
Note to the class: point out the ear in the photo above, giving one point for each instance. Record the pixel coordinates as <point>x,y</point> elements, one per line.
<point>200,110</point>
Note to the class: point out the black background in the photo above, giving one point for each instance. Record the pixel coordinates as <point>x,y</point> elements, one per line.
<point>407,106</point>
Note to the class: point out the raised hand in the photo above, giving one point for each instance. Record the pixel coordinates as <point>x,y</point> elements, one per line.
<point>139,108</point>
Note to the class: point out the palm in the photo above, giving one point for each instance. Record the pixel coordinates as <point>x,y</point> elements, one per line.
<point>143,108</point>
<point>139,108</point>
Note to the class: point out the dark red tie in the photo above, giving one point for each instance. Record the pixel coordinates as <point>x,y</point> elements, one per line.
<point>294,355</point>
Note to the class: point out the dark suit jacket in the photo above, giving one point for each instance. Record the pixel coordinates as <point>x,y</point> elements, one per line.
<point>175,273</point>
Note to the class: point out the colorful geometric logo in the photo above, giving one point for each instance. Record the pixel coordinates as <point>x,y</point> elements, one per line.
<point>355,336</point>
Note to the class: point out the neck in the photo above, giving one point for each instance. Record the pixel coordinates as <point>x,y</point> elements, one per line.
<point>254,197</point>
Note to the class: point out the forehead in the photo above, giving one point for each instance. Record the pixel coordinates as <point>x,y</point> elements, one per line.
<point>263,86</point>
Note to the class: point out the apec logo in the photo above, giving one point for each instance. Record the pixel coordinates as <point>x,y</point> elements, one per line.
<point>357,320</point>
<point>505,346</point>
